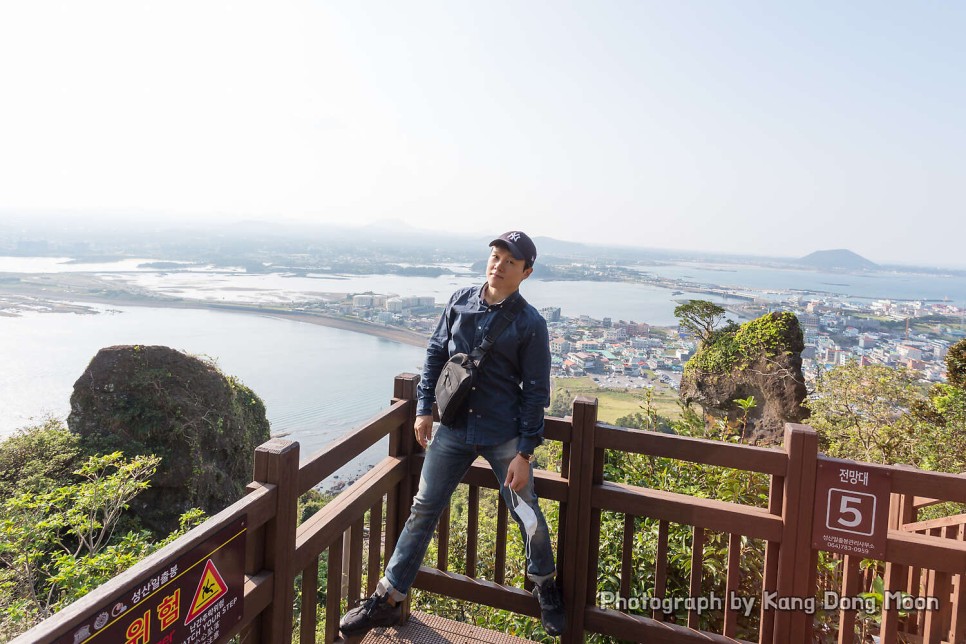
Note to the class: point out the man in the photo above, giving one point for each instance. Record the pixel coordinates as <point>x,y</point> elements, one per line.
<point>502,421</point>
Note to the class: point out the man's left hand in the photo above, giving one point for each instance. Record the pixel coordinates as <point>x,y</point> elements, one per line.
<point>518,474</point>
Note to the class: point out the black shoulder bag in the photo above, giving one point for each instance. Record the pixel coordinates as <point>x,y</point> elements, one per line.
<point>461,370</point>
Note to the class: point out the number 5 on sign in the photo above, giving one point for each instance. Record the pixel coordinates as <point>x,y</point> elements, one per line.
<point>848,505</point>
<point>851,511</point>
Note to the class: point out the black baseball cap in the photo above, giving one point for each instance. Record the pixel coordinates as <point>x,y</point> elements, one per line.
<point>519,244</point>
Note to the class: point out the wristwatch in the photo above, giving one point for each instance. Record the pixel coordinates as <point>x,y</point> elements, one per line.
<point>526,457</point>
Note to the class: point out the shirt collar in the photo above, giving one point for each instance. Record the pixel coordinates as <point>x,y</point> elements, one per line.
<point>498,305</point>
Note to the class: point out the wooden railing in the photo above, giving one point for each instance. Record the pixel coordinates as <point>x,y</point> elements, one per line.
<point>949,623</point>
<point>355,535</point>
<point>848,578</point>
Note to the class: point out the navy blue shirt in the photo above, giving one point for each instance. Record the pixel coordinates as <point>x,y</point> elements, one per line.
<point>513,387</point>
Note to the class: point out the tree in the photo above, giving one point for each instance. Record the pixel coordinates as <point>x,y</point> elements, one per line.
<point>560,403</point>
<point>883,415</point>
<point>941,439</point>
<point>647,420</point>
<point>700,317</point>
<point>956,365</point>
<point>746,405</point>
<point>58,543</point>
<point>862,412</point>
<point>36,458</point>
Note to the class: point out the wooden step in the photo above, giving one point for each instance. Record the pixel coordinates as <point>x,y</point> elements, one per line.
<point>424,628</point>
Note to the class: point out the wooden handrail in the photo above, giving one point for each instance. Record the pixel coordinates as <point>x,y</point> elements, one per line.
<point>955,520</point>
<point>694,450</point>
<point>641,629</point>
<point>722,516</point>
<point>920,482</point>
<point>920,502</point>
<point>549,485</point>
<point>323,463</point>
<point>557,429</point>
<point>479,591</point>
<point>925,551</point>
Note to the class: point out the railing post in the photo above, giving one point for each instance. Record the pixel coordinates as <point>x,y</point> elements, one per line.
<point>579,581</point>
<point>402,443</point>
<point>902,510</point>
<point>796,572</point>
<point>277,463</point>
<point>769,582</point>
<point>251,633</point>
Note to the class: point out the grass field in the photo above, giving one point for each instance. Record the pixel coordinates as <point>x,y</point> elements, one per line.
<point>614,403</point>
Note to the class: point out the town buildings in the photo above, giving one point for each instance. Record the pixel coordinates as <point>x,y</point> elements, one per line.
<point>836,330</point>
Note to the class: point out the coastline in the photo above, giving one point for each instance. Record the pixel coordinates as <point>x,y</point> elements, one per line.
<point>73,300</point>
<point>396,334</point>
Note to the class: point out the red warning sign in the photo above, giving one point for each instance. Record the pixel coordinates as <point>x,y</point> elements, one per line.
<point>210,588</point>
<point>198,597</point>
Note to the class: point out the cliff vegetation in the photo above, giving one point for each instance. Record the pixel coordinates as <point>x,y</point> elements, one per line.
<point>758,363</point>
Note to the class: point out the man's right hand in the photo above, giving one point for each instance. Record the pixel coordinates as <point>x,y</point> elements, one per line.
<point>424,429</point>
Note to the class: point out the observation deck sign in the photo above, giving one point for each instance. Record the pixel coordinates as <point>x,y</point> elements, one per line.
<point>851,508</point>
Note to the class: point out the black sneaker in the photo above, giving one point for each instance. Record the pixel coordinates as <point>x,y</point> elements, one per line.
<point>551,607</point>
<point>374,612</point>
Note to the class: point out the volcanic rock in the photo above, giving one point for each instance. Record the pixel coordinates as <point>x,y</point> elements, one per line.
<point>155,400</point>
<point>763,358</point>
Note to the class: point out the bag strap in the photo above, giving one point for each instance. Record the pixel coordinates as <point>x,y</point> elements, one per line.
<point>508,313</point>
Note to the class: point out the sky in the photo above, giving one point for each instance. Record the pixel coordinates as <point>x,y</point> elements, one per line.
<point>741,127</point>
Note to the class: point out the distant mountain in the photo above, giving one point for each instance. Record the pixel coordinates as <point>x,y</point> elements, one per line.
<point>392,225</point>
<point>838,259</point>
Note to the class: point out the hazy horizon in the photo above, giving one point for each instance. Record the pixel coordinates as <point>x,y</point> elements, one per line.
<point>118,223</point>
<point>756,130</point>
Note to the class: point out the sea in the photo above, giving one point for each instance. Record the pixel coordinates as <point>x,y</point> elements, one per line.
<point>871,285</point>
<point>317,382</point>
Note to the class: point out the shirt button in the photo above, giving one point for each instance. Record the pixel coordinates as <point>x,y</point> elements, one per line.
<point>471,411</point>
<point>472,388</point>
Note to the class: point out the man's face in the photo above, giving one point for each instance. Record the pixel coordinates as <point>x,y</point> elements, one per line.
<point>503,271</point>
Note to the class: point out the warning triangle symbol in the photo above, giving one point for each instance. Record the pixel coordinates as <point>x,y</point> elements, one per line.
<point>210,588</point>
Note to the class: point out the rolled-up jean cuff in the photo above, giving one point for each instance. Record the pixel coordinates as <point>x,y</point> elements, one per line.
<point>539,579</point>
<point>384,586</point>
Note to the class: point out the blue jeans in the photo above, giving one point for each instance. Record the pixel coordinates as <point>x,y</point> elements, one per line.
<point>448,458</point>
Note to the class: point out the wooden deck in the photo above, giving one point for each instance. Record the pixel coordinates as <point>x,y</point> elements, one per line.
<point>424,628</point>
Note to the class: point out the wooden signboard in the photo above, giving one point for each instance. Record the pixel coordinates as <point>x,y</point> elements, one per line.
<point>851,508</point>
<point>196,599</point>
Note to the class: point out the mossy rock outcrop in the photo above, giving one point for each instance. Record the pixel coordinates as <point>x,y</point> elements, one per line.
<point>761,358</point>
<point>155,400</point>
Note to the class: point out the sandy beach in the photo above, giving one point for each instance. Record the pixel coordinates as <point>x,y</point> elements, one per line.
<point>405,336</point>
